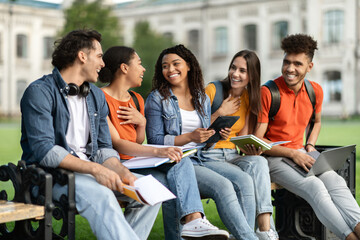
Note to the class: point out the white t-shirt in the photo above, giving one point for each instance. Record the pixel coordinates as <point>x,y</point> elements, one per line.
<point>190,121</point>
<point>78,131</point>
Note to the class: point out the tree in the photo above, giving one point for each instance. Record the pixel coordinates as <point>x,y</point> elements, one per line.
<point>148,44</point>
<point>93,15</point>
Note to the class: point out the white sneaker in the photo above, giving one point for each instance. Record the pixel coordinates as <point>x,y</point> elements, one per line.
<point>266,235</point>
<point>201,228</point>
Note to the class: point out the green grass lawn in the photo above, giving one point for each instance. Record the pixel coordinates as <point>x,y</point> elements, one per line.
<point>334,132</point>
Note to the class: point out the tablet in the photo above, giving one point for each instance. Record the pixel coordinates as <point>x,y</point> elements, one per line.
<point>220,123</point>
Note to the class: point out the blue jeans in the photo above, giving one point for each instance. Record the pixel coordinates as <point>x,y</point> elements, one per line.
<point>233,192</point>
<point>258,169</point>
<point>327,194</point>
<point>181,180</point>
<point>100,207</point>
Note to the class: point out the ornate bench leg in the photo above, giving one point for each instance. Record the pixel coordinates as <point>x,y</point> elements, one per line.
<point>65,207</point>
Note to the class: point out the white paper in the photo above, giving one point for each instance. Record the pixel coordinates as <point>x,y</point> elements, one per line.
<point>149,162</point>
<point>152,191</point>
<point>183,148</point>
<point>144,162</point>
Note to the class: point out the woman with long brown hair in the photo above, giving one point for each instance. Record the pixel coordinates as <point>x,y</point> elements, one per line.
<point>239,95</point>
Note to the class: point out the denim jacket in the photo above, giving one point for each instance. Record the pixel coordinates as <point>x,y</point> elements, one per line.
<point>45,118</point>
<point>163,118</point>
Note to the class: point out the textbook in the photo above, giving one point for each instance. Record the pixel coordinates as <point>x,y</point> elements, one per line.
<point>150,162</point>
<point>148,190</point>
<point>241,141</point>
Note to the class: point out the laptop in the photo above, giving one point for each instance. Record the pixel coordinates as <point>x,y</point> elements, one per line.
<point>332,159</point>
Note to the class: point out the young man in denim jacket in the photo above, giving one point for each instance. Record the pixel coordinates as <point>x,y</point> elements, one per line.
<point>64,125</point>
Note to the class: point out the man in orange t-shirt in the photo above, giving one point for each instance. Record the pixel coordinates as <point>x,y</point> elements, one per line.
<point>327,193</point>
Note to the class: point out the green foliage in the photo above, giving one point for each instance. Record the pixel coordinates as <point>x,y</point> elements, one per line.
<point>148,44</point>
<point>93,15</point>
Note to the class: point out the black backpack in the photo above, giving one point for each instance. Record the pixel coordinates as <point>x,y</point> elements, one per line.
<point>136,101</point>
<point>275,102</point>
<point>219,96</point>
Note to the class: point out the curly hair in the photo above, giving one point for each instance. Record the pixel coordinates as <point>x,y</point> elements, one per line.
<point>195,77</point>
<point>253,88</point>
<point>67,48</point>
<point>299,43</point>
<point>113,58</point>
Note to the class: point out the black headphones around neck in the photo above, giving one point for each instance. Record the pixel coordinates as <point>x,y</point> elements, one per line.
<point>75,90</point>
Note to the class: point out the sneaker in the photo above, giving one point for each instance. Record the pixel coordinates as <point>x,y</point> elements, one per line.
<point>266,235</point>
<point>201,228</point>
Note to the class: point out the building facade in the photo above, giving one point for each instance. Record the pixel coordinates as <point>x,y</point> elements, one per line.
<point>27,32</point>
<point>213,29</point>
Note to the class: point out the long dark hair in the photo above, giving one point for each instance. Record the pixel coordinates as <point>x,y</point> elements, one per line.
<point>67,48</point>
<point>253,88</point>
<point>195,77</point>
<point>113,58</point>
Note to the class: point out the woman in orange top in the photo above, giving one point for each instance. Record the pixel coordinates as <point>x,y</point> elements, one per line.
<point>123,70</point>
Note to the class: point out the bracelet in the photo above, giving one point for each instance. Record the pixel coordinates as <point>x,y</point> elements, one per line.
<point>310,145</point>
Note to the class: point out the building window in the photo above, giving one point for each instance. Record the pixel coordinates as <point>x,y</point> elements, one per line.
<point>194,41</point>
<point>333,26</point>
<point>48,47</point>
<point>221,41</point>
<point>21,46</point>
<point>332,86</point>
<point>280,30</point>
<point>250,37</point>
<point>20,88</point>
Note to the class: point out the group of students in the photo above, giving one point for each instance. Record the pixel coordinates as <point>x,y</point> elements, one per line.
<point>69,123</point>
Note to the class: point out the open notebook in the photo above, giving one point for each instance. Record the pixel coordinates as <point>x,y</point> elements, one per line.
<point>243,140</point>
<point>150,162</point>
<point>148,190</point>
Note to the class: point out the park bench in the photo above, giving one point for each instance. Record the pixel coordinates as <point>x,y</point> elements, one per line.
<point>14,211</point>
<point>23,209</point>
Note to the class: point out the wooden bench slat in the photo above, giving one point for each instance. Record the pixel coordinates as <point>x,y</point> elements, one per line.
<point>12,211</point>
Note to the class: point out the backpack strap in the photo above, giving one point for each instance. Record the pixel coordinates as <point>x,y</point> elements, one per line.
<point>275,99</point>
<point>219,96</point>
<point>136,101</point>
<point>275,102</point>
<point>312,96</point>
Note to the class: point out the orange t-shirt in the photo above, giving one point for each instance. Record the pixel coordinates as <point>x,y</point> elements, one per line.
<point>126,131</point>
<point>294,113</point>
